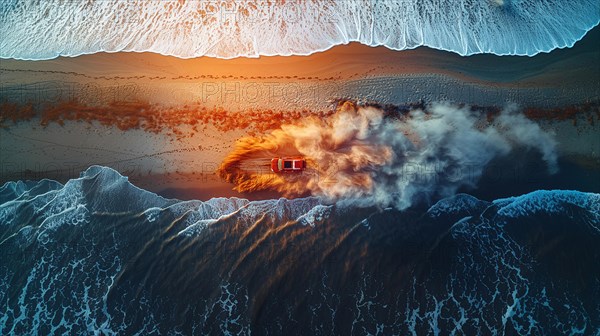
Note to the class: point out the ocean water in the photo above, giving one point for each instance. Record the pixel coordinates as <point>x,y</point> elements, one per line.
<point>99,256</point>
<point>46,29</point>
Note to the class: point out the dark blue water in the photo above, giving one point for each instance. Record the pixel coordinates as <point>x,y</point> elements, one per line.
<point>100,256</point>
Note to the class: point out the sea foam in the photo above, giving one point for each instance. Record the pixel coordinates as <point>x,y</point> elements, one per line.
<point>226,29</point>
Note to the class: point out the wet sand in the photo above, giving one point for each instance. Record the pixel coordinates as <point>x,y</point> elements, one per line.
<point>561,77</point>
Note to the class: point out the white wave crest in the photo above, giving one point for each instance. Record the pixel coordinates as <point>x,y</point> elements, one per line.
<point>227,29</point>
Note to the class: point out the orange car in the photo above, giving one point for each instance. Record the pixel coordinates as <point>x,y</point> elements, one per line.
<point>288,165</point>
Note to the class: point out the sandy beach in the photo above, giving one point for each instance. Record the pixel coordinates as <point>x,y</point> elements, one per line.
<point>171,152</point>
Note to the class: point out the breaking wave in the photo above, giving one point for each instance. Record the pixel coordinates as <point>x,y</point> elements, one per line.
<point>226,29</point>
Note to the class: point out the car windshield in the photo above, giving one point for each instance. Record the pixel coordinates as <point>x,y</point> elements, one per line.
<point>287,164</point>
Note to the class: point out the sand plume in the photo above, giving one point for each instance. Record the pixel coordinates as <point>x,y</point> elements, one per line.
<point>362,155</point>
